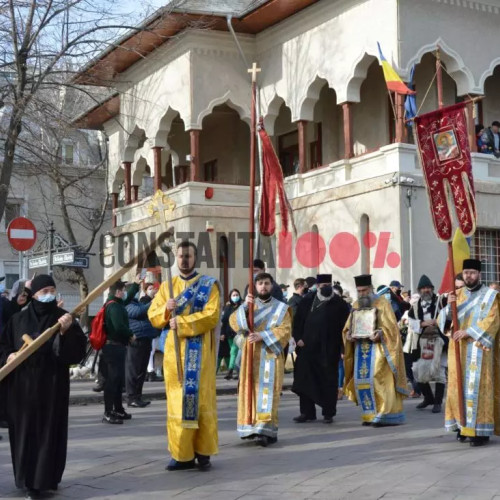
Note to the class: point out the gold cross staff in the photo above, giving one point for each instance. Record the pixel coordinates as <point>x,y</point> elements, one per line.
<point>254,70</point>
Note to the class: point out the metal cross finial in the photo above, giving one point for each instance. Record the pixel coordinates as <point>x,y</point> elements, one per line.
<point>254,70</point>
<point>161,206</point>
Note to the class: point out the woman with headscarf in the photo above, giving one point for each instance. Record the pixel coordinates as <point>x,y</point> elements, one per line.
<point>38,389</point>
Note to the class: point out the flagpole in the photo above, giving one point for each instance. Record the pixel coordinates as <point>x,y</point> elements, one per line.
<point>454,313</point>
<point>250,347</point>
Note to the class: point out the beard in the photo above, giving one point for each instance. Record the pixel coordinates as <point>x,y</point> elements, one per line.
<point>365,302</point>
<point>471,283</point>
<point>264,296</point>
<point>427,296</point>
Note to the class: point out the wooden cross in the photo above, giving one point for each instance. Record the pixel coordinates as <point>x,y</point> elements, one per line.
<point>161,207</point>
<point>254,70</point>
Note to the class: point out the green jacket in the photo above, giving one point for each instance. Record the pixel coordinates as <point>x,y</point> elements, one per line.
<point>116,317</point>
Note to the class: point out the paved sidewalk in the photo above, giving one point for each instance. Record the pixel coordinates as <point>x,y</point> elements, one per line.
<point>311,461</point>
<point>82,394</point>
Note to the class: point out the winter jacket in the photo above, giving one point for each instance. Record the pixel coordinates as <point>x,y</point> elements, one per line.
<point>116,321</point>
<point>139,321</point>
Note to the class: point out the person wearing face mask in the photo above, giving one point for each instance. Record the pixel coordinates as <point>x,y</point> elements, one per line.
<point>138,351</point>
<point>228,350</point>
<point>114,352</point>
<point>317,331</point>
<point>477,338</point>
<point>375,375</point>
<point>38,389</point>
<point>427,345</point>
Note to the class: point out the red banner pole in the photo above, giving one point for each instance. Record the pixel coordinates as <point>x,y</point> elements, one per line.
<point>454,313</point>
<point>253,147</point>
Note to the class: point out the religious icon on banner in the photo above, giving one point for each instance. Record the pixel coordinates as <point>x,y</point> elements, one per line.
<point>443,146</point>
<point>446,145</point>
<point>364,322</point>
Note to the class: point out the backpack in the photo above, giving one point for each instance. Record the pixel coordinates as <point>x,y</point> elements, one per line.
<point>97,337</point>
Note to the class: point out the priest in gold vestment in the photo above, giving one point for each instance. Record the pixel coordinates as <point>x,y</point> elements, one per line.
<point>191,405</point>
<point>478,341</point>
<point>272,331</point>
<point>375,375</point>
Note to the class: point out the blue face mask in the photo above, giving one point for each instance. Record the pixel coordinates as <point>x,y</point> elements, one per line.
<point>313,288</point>
<point>387,296</point>
<point>2,287</point>
<point>125,294</point>
<point>235,299</point>
<point>48,297</point>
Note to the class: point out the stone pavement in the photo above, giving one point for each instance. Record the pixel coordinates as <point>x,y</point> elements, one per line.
<point>310,461</point>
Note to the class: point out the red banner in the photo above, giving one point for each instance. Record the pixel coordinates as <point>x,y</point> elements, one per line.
<point>443,145</point>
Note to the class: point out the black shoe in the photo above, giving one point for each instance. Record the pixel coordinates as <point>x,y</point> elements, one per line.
<point>229,375</point>
<point>139,403</point>
<point>175,465</point>
<point>424,404</point>
<point>328,420</point>
<point>111,419</point>
<point>262,441</point>
<point>203,462</point>
<point>366,424</point>
<point>479,440</point>
<point>31,493</point>
<point>122,415</point>
<point>436,408</point>
<point>98,388</point>
<point>303,418</point>
<point>152,377</point>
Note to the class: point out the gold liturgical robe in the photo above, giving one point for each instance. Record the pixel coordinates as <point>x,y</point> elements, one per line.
<point>273,320</point>
<point>191,406</point>
<point>375,375</point>
<point>478,314</point>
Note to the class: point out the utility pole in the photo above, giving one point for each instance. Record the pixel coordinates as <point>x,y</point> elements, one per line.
<point>51,246</point>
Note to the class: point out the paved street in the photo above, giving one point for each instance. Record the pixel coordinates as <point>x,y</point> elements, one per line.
<point>310,461</point>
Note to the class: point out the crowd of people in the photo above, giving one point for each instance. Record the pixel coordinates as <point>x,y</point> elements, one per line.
<point>386,345</point>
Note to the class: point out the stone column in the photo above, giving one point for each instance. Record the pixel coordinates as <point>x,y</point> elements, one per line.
<point>135,193</point>
<point>302,129</point>
<point>127,166</point>
<point>114,205</point>
<point>195,155</point>
<point>348,135</point>
<point>157,168</point>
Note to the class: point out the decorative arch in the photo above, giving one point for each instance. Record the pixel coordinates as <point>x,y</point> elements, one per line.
<point>138,171</point>
<point>134,141</point>
<point>358,74</point>
<point>455,66</point>
<point>489,72</point>
<point>311,98</point>
<point>273,111</point>
<point>243,112</point>
<point>164,126</point>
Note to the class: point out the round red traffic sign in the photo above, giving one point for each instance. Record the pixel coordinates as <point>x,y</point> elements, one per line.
<point>21,234</point>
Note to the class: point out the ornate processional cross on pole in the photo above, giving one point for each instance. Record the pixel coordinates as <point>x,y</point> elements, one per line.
<point>162,209</point>
<point>254,70</point>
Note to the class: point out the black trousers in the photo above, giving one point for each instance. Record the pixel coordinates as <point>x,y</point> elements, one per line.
<point>136,367</point>
<point>114,359</point>
<point>308,408</point>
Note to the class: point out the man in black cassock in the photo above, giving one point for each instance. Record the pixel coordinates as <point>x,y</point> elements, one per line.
<point>37,391</point>
<point>317,330</point>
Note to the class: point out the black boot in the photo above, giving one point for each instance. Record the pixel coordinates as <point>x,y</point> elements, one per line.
<point>229,375</point>
<point>428,396</point>
<point>438,398</point>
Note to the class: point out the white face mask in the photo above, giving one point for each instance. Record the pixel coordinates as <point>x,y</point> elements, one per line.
<point>151,293</point>
<point>48,297</point>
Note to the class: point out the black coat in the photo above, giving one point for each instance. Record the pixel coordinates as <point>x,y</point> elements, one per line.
<point>319,325</point>
<point>37,395</point>
<point>226,330</point>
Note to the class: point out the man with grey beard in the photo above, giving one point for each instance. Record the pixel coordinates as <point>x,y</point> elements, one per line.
<point>422,319</point>
<point>375,376</point>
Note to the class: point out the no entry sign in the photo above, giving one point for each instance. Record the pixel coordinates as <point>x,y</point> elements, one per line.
<point>21,234</point>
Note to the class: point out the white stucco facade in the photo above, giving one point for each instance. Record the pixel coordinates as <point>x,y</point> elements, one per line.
<point>310,64</point>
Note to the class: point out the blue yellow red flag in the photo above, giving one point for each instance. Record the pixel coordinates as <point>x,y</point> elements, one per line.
<point>392,79</point>
<point>461,251</point>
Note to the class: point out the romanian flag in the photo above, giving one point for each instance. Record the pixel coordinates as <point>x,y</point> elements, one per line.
<point>461,251</point>
<point>394,83</point>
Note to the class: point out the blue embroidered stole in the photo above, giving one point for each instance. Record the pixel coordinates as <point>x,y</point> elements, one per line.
<point>196,296</point>
<point>266,317</point>
<point>364,370</point>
